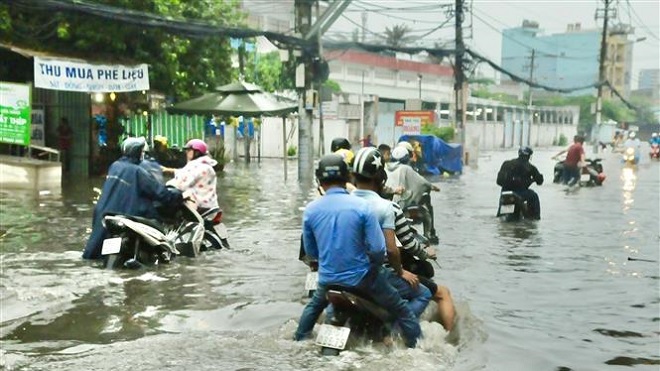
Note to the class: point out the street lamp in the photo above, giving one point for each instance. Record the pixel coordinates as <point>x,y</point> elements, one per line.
<point>419,81</point>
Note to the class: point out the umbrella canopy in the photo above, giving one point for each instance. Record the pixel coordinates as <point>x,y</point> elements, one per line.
<point>236,99</point>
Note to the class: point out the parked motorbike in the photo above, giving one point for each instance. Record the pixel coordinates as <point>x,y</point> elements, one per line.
<point>422,215</point>
<point>591,175</point>
<point>655,151</point>
<point>355,316</point>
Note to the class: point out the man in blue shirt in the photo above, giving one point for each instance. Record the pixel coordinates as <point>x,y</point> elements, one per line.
<point>344,235</point>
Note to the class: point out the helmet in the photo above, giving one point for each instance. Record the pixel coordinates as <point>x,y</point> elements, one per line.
<point>339,143</point>
<point>631,135</point>
<point>653,135</point>
<point>346,154</point>
<point>406,145</point>
<point>400,154</point>
<point>332,167</point>
<point>133,147</point>
<point>525,152</point>
<point>161,140</point>
<point>369,163</point>
<point>197,145</point>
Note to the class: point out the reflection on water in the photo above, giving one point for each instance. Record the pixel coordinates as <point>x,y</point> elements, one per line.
<point>516,285</point>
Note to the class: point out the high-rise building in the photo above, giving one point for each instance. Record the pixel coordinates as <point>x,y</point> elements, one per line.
<point>569,59</point>
<point>649,79</point>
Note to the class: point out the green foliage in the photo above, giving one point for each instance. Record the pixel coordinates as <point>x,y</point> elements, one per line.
<point>178,66</point>
<point>267,71</point>
<point>562,141</point>
<point>332,85</point>
<point>445,133</point>
<point>292,150</point>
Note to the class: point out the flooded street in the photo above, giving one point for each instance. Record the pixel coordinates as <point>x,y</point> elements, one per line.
<point>557,294</point>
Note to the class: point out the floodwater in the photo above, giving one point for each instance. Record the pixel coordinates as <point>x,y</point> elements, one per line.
<point>557,294</point>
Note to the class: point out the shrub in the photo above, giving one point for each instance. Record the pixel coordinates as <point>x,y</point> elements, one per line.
<point>562,140</point>
<point>445,133</point>
<point>291,151</point>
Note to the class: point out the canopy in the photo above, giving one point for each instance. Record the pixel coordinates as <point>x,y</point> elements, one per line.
<point>236,99</point>
<point>438,156</point>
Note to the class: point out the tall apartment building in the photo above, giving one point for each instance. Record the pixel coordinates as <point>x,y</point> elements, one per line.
<point>649,79</point>
<point>569,59</point>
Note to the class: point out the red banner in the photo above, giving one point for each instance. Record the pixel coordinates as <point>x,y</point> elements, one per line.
<point>425,117</point>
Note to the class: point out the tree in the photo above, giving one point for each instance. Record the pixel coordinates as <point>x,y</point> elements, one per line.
<point>397,36</point>
<point>178,66</point>
<point>267,71</point>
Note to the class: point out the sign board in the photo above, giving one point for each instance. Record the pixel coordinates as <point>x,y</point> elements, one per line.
<point>69,75</point>
<point>426,117</point>
<point>348,111</point>
<point>15,107</point>
<point>412,126</point>
<point>38,129</point>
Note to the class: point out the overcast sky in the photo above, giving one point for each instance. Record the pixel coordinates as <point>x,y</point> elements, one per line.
<point>489,17</point>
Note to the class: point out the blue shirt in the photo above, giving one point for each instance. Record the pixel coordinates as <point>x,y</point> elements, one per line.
<point>381,207</point>
<point>344,235</point>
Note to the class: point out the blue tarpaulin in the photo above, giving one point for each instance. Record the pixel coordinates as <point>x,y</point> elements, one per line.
<point>438,156</point>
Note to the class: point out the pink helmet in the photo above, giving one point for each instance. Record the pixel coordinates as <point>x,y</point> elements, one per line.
<point>198,145</point>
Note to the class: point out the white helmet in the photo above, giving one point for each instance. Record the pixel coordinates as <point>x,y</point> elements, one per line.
<point>399,153</point>
<point>406,145</point>
<point>631,135</point>
<point>653,135</point>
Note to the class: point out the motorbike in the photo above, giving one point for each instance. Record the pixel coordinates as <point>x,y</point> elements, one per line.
<point>355,316</point>
<point>655,151</point>
<point>135,242</point>
<point>512,207</point>
<point>629,157</point>
<point>418,214</point>
<point>591,175</point>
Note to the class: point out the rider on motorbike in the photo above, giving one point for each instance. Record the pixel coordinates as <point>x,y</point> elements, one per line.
<point>415,186</point>
<point>198,176</point>
<point>130,190</point>
<point>517,175</point>
<point>411,248</point>
<point>634,143</point>
<point>344,235</point>
<point>370,176</point>
<point>655,139</point>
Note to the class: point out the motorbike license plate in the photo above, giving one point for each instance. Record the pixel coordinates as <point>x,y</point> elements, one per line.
<point>111,246</point>
<point>585,177</point>
<point>311,283</point>
<point>507,209</point>
<point>333,336</point>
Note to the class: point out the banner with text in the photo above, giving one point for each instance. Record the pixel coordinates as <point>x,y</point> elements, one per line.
<point>15,106</point>
<point>57,74</point>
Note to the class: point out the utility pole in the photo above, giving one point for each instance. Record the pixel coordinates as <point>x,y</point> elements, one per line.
<point>601,71</point>
<point>459,78</point>
<point>319,87</point>
<point>531,77</point>
<point>303,15</point>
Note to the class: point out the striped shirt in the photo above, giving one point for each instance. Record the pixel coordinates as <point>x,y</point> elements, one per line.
<point>405,233</point>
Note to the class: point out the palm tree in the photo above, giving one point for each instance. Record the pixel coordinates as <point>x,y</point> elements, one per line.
<point>397,36</point>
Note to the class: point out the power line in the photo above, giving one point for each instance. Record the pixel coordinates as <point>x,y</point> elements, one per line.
<point>641,23</point>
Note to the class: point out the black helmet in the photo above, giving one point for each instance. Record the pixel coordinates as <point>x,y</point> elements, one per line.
<point>332,167</point>
<point>525,152</point>
<point>133,147</point>
<point>339,143</point>
<point>368,163</point>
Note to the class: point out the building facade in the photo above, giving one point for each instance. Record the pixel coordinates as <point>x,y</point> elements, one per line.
<point>569,59</point>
